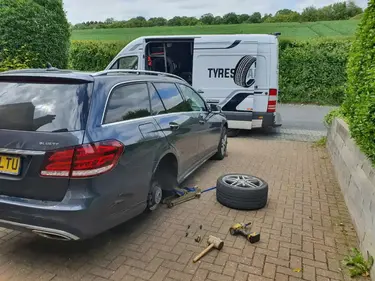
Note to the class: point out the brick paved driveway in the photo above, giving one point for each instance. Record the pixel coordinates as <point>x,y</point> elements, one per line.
<point>305,225</point>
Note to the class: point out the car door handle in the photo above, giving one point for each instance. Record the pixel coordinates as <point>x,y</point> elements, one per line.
<point>174,126</point>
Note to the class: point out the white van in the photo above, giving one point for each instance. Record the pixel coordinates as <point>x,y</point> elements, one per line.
<point>237,72</point>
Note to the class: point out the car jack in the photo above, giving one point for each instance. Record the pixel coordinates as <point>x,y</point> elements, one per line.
<point>182,195</point>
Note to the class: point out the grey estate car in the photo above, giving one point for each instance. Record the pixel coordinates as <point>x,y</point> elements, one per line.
<point>83,152</point>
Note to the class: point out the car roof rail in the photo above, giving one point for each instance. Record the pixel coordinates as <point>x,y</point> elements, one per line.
<point>139,72</point>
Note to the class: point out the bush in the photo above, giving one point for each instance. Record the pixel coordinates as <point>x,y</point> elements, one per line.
<point>19,60</point>
<point>359,104</point>
<point>337,112</point>
<point>313,71</point>
<point>39,26</point>
<point>93,55</point>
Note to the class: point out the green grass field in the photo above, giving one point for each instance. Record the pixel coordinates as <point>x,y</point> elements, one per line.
<point>288,30</point>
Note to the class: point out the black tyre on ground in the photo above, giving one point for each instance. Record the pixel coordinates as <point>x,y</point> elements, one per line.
<point>242,192</point>
<point>241,73</point>
<point>223,145</point>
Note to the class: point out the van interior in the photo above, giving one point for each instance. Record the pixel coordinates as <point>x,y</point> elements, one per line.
<point>171,56</point>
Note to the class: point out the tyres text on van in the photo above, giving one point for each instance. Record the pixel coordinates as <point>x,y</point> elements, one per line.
<point>225,73</point>
<point>221,72</point>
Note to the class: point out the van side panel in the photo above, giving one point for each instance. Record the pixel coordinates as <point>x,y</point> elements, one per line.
<point>214,68</point>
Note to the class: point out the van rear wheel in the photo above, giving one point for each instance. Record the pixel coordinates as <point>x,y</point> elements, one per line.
<point>233,133</point>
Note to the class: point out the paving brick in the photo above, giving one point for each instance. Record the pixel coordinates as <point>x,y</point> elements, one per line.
<point>153,265</point>
<point>309,273</point>
<point>218,277</point>
<point>250,269</point>
<point>284,254</point>
<point>277,261</point>
<point>315,264</point>
<point>258,260</point>
<point>167,256</point>
<point>101,272</point>
<point>329,274</point>
<point>136,272</point>
<point>333,265</point>
<point>281,277</point>
<point>129,278</point>
<point>253,277</point>
<point>288,271</point>
<point>201,275</point>
<point>180,276</point>
<point>230,268</point>
<point>241,276</point>
<point>211,267</point>
<point>221,259</point>
<point>120,273</point>
<point>295,262</point>
<point>320,255</point>
<point>269,270</point>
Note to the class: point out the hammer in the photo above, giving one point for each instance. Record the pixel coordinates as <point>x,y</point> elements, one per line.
<point>213,242</point>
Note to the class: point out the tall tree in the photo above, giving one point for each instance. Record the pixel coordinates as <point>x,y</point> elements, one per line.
<point>207,19</point>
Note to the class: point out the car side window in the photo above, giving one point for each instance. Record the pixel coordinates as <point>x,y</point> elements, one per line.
<point>157,106</point>
<point>128,102</point>
<point>130,62</point>
<point>194,100</point>
<point>171,97</point>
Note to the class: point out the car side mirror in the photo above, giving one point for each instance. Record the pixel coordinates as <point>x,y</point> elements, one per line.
<point>215,107</point>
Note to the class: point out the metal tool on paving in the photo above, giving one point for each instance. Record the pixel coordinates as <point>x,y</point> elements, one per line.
<point>182,195</point>
<point>244,230</point>
<point>213,242</point>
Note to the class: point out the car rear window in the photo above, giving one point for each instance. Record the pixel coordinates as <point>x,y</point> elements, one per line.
<point>43,107</point>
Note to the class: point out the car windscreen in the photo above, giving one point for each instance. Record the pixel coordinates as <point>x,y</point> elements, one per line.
<point>44,107</point>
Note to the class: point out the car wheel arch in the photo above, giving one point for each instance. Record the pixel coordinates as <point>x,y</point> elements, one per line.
<point>167,164</point>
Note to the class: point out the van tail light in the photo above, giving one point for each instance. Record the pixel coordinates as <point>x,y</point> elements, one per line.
<point>272,100</point>
<point>82,161</point>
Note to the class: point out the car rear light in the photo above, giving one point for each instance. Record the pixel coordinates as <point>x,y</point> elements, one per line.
<point>83,161</point>
<point>272,100</point>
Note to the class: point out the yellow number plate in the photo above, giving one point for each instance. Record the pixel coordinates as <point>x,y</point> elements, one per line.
<point>10,165</point>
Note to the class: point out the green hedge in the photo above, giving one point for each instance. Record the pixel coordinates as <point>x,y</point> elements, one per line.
<point>93,55</point>
<point>359,104</point>
<point>313,71</point>
<point>35,27</point>
<point>310,72</point>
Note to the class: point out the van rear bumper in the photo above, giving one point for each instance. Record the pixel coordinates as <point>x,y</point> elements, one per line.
<point>250,120</point>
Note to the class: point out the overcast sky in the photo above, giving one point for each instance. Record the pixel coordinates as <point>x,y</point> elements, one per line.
<point>99,10</point>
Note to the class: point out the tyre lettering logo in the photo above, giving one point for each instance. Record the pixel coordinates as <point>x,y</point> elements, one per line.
<point>243,74</point>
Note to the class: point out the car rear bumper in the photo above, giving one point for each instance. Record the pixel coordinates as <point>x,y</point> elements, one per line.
<point>251,120</point>
<point>46,232</point>
<point>54,220</point>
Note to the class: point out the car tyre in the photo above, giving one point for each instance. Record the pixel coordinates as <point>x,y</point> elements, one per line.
<point>242,192</point>
<point>223,145</point>
<point>241,72</point>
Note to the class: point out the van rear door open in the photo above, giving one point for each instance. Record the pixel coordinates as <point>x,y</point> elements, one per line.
<point>226,73</point>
